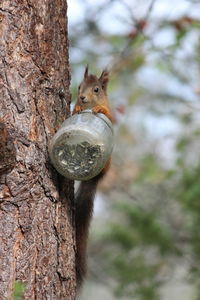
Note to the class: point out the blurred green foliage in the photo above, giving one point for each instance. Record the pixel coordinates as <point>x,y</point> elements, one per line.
<point>134,240</point>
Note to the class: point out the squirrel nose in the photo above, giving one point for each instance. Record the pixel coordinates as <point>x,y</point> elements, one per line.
<point>83,99</point>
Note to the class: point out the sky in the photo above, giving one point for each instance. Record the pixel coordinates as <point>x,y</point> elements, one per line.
<point>162,8</point>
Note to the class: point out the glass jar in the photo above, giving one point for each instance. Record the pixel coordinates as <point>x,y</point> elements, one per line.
<point>81,147</point>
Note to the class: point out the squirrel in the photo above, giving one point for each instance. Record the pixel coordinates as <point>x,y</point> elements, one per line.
<point>92,94</point>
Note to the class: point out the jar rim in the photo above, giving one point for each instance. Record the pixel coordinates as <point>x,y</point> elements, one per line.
<point>101,116</point>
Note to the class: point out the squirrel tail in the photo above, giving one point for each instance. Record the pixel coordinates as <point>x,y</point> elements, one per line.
<point>84,202</point>
<point>84,208</point>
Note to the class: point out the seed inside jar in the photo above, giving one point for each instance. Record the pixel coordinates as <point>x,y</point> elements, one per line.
<point>78,159</point>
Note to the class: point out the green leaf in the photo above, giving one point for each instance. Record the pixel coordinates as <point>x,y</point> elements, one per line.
<point>19,288</point>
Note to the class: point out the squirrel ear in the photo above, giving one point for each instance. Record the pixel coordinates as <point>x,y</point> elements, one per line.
<point>104,79</point>
<point>86,72</point>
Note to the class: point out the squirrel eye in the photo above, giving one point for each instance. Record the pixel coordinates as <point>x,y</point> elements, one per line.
<point>96,89</point>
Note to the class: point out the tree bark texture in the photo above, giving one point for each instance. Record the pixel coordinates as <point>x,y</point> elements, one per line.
<point>36,220</point>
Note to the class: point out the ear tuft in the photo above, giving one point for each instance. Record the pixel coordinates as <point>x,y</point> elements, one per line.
<point>86,72</point>
<point>104,79</point>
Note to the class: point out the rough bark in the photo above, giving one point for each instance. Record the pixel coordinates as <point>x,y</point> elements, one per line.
<point>36,226</point>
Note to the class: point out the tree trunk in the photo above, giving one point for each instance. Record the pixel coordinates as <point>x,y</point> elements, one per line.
<point>36,221</point>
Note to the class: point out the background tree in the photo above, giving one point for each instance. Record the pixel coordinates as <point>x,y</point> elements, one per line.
<point>36,232</point>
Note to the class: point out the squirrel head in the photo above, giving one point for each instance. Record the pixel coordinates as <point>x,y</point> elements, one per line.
<point>93,90</point>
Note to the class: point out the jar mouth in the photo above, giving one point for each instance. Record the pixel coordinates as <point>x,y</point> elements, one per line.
<point>101,116</point>
<point>77,161</point>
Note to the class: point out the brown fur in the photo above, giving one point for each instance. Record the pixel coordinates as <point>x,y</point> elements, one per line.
<point>85,195</point>
<point>98,102</point>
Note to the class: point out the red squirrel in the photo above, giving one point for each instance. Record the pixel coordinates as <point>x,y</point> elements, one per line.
<point>92,94</point>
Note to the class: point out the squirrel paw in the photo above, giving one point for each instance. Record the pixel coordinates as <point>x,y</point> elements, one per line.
<point>77,109</point>
<point>99,109</point>
<point>102,110</point>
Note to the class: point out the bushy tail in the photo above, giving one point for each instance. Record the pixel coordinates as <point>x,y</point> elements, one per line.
<point>84,202</point>
<point>84,209</point>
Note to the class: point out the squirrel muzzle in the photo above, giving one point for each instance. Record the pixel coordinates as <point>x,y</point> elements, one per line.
<point>83,99</point>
